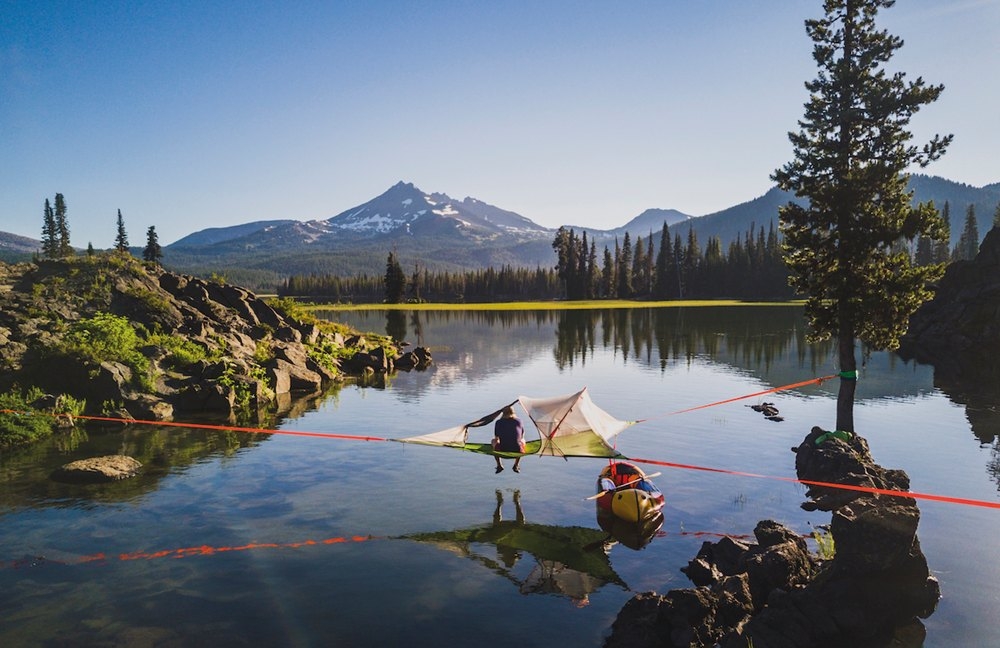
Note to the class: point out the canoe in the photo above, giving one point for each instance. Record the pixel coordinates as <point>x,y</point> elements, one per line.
<point>626,492</point>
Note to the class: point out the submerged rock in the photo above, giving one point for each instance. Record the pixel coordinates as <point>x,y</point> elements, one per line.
<point>97,470</point>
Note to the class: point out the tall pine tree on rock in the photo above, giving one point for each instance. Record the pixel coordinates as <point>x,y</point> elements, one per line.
<point>850,160</point>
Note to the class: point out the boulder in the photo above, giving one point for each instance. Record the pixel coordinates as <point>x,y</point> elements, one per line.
<point>775,593</point>
<point>97,470</point>
<point>959,330</point>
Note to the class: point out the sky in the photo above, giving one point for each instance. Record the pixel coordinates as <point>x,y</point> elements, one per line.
<point>193,114</point>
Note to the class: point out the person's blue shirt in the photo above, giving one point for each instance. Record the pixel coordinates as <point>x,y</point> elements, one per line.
<point>510,433</point>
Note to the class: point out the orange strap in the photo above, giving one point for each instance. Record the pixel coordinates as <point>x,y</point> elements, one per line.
<point>808,482</point>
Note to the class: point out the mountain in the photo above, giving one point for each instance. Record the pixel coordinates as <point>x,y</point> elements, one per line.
<point>651,220</point>
<point>17,248</point>
<point>431,230</point>
<point>214,235</point>
<point>437,232</point>
<point>440,233</point>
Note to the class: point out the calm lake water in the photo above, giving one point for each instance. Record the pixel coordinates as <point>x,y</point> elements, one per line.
<point>235,539</point>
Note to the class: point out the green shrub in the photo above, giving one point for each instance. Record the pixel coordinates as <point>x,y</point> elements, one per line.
<point>107,338</point>
<point>20,423</point>
<point>181,352</point>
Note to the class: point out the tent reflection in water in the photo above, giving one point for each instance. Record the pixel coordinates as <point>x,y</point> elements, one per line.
<point>568,561</point>
<point>568,426</point>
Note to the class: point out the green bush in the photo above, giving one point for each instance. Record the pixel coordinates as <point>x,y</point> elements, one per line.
<point>20,423</point>
<point>181,352</point>
<point>107,338</point>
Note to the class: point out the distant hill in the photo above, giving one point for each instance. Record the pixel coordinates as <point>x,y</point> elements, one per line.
<point>17,248</point>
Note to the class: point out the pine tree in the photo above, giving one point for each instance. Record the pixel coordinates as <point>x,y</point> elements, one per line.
<point>996,216</point>
<point>942,245</point>
<point>152,252</point>
<point>63,247</point>
<point>609,281</point>
<point>395,280</point>
<point>121,238</point>
<point>639,268</point>
<point>968,242</point>
<point>50,244</point>
<point>625,269</point>
<point>664,260</point>
<point>851,154</point>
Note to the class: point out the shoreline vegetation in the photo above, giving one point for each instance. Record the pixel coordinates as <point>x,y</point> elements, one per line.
<point>112,336</point>
<point>596,304</point>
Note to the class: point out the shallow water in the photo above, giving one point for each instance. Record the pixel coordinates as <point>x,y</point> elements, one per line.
<point>233,539</point>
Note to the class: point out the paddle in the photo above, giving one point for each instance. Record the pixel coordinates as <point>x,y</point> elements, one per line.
<point>634,481</point>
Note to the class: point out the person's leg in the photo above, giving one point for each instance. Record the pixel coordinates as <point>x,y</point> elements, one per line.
<point>499,464</point>
<point>517,465</point>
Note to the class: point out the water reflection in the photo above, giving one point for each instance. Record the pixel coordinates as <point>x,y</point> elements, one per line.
<point>25,472</point>
<point>766,341</point>
<point>567,561</point>
<point>976,390</point>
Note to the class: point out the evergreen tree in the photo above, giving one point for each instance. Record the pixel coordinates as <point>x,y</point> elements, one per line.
<point>664,259</point>
<point>996,216</point>
<point>625,269</point>
<point>639,268</point>
<point>121,238</point>
<point>90,249</point>
<point>395,280</point>
<point>968,242</point>
<point>593,273</point>
<point>50,241</point>
<point>152,252</point>
<point>942,245</point>
<point>850,158</point>
<point>63,247</point>
<point>609,281</point>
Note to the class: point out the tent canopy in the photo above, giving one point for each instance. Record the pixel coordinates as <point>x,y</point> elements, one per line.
<point>568,426</point>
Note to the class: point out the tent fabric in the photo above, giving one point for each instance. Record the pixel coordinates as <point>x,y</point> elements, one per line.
<point>568,426</point>
<point>573,426</point>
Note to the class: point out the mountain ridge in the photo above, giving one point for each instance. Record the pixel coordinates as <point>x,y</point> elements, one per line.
<point>432,230</point>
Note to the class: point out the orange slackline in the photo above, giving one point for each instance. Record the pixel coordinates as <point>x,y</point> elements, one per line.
<point>183,552</point>
<point>808,482</point>
<point>811,381</point>
<point>207,550</point>
<point>224,428</point>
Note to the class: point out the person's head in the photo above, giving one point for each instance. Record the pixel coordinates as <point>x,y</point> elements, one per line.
<point>508,412</point>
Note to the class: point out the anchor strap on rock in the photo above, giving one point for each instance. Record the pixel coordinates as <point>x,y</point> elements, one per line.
<point>834,434</point>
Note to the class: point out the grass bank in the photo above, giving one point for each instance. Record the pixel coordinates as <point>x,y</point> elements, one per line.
<point>551,305</point>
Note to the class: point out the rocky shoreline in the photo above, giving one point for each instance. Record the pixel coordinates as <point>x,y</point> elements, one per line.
<point>185,344</point>
<point>777,594</point>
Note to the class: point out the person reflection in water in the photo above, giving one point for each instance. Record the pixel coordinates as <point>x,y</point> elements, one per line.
<point>507,554</point>
<point>508,436</point>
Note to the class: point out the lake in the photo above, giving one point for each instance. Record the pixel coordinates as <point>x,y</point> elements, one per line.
<point>233,539</point>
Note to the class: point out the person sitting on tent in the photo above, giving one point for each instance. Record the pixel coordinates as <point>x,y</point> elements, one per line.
<point>508,436</point>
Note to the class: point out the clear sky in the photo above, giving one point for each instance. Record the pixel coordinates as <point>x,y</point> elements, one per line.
<point>190,114</point>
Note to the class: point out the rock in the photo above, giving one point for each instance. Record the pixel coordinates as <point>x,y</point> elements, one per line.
<point>236,332</point>
<point>959,330</point>
<point>776,594</point>
<point>97,470</point>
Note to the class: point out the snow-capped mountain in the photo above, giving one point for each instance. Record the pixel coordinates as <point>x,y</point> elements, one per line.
<point>405,209</point>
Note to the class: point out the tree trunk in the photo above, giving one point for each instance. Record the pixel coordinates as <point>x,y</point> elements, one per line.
<point>849,368</point>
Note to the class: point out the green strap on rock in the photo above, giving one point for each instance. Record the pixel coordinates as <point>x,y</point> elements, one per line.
<point>835,434</point>
<point>848,375</point>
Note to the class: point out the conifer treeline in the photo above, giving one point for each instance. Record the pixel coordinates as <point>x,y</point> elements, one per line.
<point>751,268</point>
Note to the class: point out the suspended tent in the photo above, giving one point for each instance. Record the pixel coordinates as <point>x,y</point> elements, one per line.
<point>568,426</point>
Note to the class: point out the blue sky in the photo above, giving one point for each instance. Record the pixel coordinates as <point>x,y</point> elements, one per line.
<point>194,114</point>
